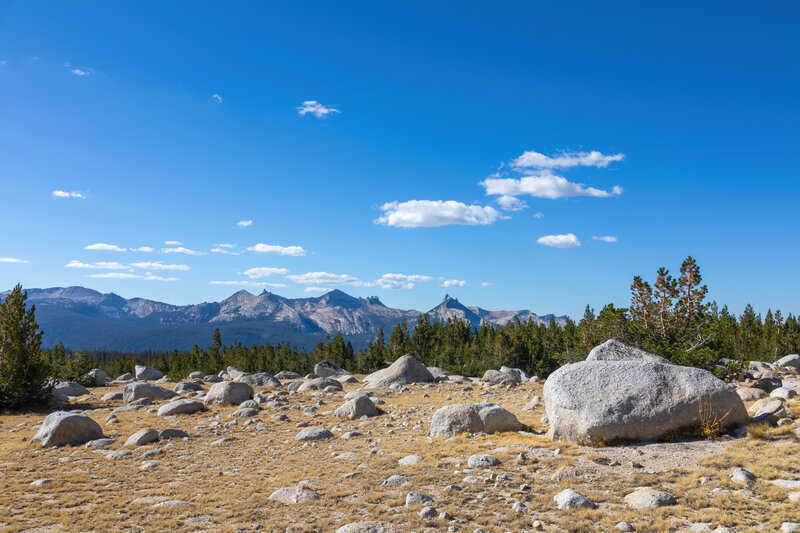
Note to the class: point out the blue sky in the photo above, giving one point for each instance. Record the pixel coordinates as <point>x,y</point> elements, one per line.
<point>404,149</point>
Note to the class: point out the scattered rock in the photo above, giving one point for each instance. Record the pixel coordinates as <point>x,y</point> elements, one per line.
<point>173,433</point>
<point>138,390</point>
<point>98,377</point>
<point>451,420</point>
<point>260,380</point>
<point>482,461</point>
<point>572,499</point>
<point>63,390</point>
<point>324,369</point>
<point>402,372</point>
<point>417,498</point>
<point>743,477</point>
<point>313,434</point>
<point>789,361</point>
<point>62,428</point>
<point>356,408</point>
<point>228,393</point>
<point>646,498</point>
<point>147,374</point>
<point>294,495</point>
<point>318,384</point>
<point>184,406</point>
<point>142,437</point>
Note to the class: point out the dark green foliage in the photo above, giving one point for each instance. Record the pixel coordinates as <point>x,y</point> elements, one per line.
<point>66,365</point>
<point>24,369</point>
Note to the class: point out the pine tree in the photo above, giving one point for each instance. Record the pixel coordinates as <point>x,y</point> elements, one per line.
<point>24,369</point>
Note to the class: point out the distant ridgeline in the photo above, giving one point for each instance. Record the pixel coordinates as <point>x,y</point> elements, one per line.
<point>86,319</point>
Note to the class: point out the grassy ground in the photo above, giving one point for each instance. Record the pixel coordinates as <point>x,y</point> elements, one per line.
<point>228,486</point>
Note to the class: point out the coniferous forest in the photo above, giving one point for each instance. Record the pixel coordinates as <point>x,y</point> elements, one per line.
<point>669,316</point>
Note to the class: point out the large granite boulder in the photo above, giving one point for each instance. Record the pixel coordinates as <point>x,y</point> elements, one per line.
<point>138,390</point>
<point>98,377</point>
<point>356,408</point>
<point>184,406</point>
<point>146,373</point>
<point>62,428</point>
<point>232,373</point>
<point>318,384</point>
<point>228,393</point>
<point>324,369</point>
<point>403,371</point>
<point>260,380</point>
<point>63,390</point>
<point>451,420</point>
<point>622,398</point>
<point>790,361</point>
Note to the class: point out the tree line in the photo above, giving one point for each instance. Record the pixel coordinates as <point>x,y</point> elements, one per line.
<point>669,317</point>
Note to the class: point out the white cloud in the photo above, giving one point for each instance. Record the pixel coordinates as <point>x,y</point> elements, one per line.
<point>105,247</point>
<point>263,272</point>
<point>544,185</point>
<point>79,72</point>
<point>277,250</point>
<point>559,241</point>
<point>398,281</point>
<point>246,283</point>
<point>453,283</point>
<point>434,213</point>
<point>217,98</point>
<point>316,109</point>
<point>107,265</point>
<point>143,249</point>
<point>511,203</point>
<point>244,223</point>
<point>538,215</point>
<point>158,265</point>
<point>67,194</point>
<point>180,250</point>
<point>485,284</point>
<point>173,243</point>
<point>224,245</point>
<point>315,289</point>
<point>151,277</point>
<point>605,238</point>
<point>12,260</point>
<point>218,250</point>
<point>594,158</point>
<point>324,278</point>
<point>126,275</point>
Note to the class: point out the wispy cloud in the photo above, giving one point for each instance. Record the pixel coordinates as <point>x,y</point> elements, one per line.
<point>143,249</point>
<point>544,185</point>
<point>181,250</point>
<point>434,213</point>
<point>453,283</point>
<point>244,223</point>
<point>158,265</point>
<point>247,283</point>
<point>12,260</point>
<point>3,63</point>
<point>68,194</point>
<point>567,240</point>
<point>324,278</point>
<point>173,243</point>
<point>398,281</point>
<point>531,159</point>
<point>126,275</point>
<point>277,250</point>
<point>106,265</point>
<point>105,247</point>
<point>217,98</point>
<point>316,289</point>
<point>81,72</point>
<point>315,108</point>
<point>218,250</point>
<point>263,272</point>
<point>538,215</point>
<point>605,238</point>
<point>485,284</point>
<point>225,245</point>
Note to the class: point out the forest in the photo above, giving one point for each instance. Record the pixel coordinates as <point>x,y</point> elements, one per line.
<point>670,317</point>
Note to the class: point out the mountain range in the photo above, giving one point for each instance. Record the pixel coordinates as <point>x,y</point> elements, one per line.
<point>83,318</point>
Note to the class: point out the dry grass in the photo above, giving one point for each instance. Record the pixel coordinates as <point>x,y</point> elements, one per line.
<point>228,486</point>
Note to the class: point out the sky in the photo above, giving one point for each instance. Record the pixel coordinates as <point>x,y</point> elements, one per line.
<point>515,155</point>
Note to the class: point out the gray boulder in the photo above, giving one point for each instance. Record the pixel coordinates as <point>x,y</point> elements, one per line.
<point>324,369</point>
<point>516,372</point>
<point>233,373</point>
<point>646,498</point>
<point>572,499</point>
<point>789,361</point>
<point>228,393</point>
<point>613,400</point>
<point>482,461</point>
<point>260,380</point>
<point>184,406</point>
<point>367,527</point>
<point>147,374</point>
<point>111,396</point>
<point>313,434</point>
<point>451,420</point>
<point>197,375</point>
<point>212,379</point>
<point>402,372</point>
<point>356,408</point>
<point>294,495</point>
<point>187,386</point>
<point>142,437</point>
<point>439,374</point>
<point>64,389</point>
<point>287,375</point>
<point>613,350</point>
<point>62,428</point>
<point>138,390</point>
<point>127,376</point>
<point>498,377</point>
<point>98,377</point>
<point>318,384</point>
<point>173,433</point>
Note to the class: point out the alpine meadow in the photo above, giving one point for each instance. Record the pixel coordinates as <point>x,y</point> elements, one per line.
<point>399,267</point>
